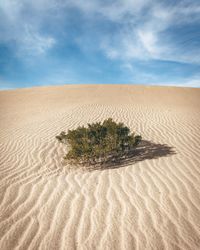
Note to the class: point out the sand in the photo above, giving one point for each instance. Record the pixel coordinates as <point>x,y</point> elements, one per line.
<point>151,201</point>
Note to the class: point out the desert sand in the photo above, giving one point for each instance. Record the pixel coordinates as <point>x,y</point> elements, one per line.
<point>151,201</point>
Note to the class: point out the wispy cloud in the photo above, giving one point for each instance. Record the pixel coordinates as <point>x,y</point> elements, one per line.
<point>22,30</point>
<point>149,38</point>
<point>121,34</point>
<point>141,32</point>
<point>34,43</point>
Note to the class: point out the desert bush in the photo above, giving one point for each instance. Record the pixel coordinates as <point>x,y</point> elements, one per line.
<point>98,142</point>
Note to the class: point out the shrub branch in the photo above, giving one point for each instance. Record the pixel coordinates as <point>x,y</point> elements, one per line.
<point>98,143</point>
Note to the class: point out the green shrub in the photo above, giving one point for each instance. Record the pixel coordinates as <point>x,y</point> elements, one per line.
<point>99,142</point>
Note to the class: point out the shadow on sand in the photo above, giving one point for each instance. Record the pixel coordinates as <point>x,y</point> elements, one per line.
<point>146,150</point>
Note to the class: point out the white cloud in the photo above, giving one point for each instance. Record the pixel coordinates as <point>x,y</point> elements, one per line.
<point>194,82</point>
<point>33,43</point>
<point>140,34</point>
<point>146,38</point>
<point>23,30</point>
<point>113,10</point>
<point>127,66</point>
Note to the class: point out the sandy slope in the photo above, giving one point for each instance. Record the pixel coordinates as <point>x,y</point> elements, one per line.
<point>151,202</point>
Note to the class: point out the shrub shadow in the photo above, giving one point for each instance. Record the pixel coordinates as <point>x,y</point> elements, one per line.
<point>146,150</point>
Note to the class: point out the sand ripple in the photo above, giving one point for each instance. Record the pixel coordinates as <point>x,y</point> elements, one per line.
<point>150,202</point>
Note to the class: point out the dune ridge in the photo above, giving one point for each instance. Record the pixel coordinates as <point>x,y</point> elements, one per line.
<point>152,202</point>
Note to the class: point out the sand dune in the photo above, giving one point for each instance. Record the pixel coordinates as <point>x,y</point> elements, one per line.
<point>152,201</point>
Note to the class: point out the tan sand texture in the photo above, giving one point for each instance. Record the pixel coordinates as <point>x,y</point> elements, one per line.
<point>152,201</point>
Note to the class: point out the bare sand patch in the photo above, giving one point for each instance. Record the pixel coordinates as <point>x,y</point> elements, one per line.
<point>152,201</point>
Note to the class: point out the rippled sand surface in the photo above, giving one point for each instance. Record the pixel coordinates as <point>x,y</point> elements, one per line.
<point>151,201</point>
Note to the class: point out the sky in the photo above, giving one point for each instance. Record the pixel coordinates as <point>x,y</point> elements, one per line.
<point>55,42</point>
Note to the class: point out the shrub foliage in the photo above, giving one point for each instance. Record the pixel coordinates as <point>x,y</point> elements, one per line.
<point>99,142</point>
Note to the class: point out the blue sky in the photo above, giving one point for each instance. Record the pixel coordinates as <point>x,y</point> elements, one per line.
<point>54,42</point>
